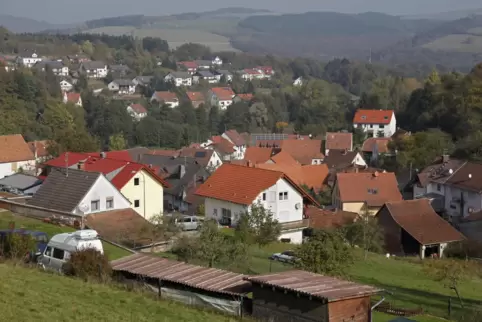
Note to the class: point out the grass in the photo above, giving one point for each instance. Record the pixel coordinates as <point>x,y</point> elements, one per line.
<point>32,295</point>
<point>174,36</point>
<point>6,217</point>
<point>457,42</point>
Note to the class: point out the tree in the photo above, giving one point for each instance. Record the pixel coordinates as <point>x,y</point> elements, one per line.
<point>117,142</point>
<point>366,233</point>
<point>161,228</point>
<point>214,120</point>
<point>258,226</point>
<point>212,244</point>
<point>325,253</point>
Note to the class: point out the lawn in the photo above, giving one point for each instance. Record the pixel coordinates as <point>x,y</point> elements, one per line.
<point>6,217</point>
<point>32,295</point>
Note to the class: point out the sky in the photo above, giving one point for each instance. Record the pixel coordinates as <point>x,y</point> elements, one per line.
<point>73,11</point>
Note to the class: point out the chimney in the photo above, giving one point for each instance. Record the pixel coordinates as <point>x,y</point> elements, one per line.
<point>150,166</point>
<point>182,171</point>
<point>250,164</point>
<point>81,165</point>
<point>375,174</point>
<point>445,158</point>
<point>345,152</point>
<point>356,169</point>
<point>102,155</point>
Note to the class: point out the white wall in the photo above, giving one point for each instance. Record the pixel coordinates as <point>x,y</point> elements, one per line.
<point>210,205</point>
<point>215,160</point>
<point>101,190</point>
<point>10,168</point>
<point>360,161</point>
<point>5,169</point>
<point>295,236</point>
<point>388,129</point>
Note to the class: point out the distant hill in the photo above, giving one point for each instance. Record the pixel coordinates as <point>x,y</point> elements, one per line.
<point>19,25</point>
<point>447,16</point>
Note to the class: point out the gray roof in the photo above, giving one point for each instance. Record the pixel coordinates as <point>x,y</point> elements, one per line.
<point>205,73</point>
<point>123,82</point>
<point>96,64</point>
<point>203,62</point>
<point>119,68</point>
<point>51,64</point>
<point>20,181</point>
<point>144,79</point>
<point>64,189</point>
<point>223,72</point>
<point>180,74</point>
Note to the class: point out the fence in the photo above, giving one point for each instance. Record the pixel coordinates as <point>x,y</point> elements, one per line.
<point>387,307</point>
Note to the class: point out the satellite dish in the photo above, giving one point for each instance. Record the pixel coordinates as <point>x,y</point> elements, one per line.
<point>83,207</point>
<point>297,206</point>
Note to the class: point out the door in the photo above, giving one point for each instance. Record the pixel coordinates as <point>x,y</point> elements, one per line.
<point>53,258</point>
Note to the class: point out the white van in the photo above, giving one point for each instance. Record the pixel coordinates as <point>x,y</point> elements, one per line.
<point>60,246</point>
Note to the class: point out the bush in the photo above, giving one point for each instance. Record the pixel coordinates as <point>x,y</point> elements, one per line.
<point>88,264</point>
<point>464,249</point>
<point>18,246</point>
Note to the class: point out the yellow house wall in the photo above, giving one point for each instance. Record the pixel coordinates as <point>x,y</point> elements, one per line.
<point>149,192</point>
<point>358,207</point>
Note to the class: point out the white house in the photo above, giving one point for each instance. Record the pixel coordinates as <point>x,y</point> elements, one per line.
<point>74,98</point>
<point>179,78</point>
<point>28,60</point>
<point>65,85</point>
<point>78,192</point>
<point>165,97</point>
<point>219,74</point>
<point>15,155</point>
<point>217,61</point>
<point>137,111</point>
<point>298,82</point>
<point>231,191</point>
<point>374,122</point>
<point>94,69</point>
<point>221,97</point>
<point>122,86</point>
<point>204,75</point>
<point>57,67</point>
<point>238,141</point>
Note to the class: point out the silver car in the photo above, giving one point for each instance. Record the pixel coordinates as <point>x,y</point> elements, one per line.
<point>285,257</point>
<point>189,223</point>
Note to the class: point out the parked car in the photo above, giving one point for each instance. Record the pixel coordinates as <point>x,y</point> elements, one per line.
<point>285,257</point>
<point>189,223</point>
<point>59,248</point>
<point>40,237</point>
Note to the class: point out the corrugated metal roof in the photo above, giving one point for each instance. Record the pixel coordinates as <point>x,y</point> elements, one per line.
<point>323,287</point>
<point>209,279</point>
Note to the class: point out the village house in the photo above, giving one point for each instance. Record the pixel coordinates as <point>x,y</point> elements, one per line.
<point>216,61</point>
<point>305,151</point>
<point>246,98</point>
<point>203,64</point>
<point>188,66</point>
<point>142,81</point>
<point>238,141</point>
<point>122,86</point>
<point>268,71</point>
<point>413,227</point>
<point>73,98</point>
<point>375,148</point>
<point>78,58</point>
<point>137,111</point>
<point>40,150</point>
<point>20,184</point>
<point>221,97</point>
<point>78,192</point>
<point>204,75</point>
<point>454,186</point>
<point>28,59</point>
<point>225,149</point>
<point>94,69</point>
<point>256,155</point>
<point>223,73</point>
<point>375,123</point>
<point>137,182</point>
<point>342,141</point>
<point>250,74</point>
<point>297,295</point>
<point>298,82</point>
<point>209,159</point>
<point>119,71</point>
<point>342,159</point>
<point>195,98</point>
<point>8,62</point>
<point>179,78</point>
<point>66,85</point>
<point>168,98</point>
<point>232,189</point>
<point>361,192</point>
<point>15,155</point>
<point>57,67</point>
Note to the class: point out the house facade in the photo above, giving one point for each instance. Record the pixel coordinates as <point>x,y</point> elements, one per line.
<point>73,98</point>
<point>29,60</point>
<point>122,86</point>
<point>221,97</point>
<point>165,97</point>
<point>15,155</point>
<point>94,69</point>
<point>179,78</point>
<point>375,122</point>
<point>65,86</point>
<point>137,111</point>
<point>219,74</point>
<point>238,141</point>
<point>206,76</point>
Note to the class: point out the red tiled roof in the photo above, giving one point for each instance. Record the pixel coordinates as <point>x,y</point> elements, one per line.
<point>284,158</point>
<point>130,170</point>
<point>216,138</point>
<point>14,148</point>
<point>339,141</point>
<point>314,176</point>
<point>381,144</point>
<point>266,69</point>
<point>418,218</point>
<point>242,185</point>
<point>195,96</point>
<point>373,188</point>
<point>168,153</point>
<point>258,155</point>
<point>303,151</point>
<point>327,219</point>
<point>67,159</point>
<point>235,137</point>
<point>121,155</point>
<point>188,64</point>
<point>39,147</point>
<point>166,96</point>
<point>373,117</point>
<point>245,97</point>
<point>223,93</point>
<point>73,97</point>
<point>252,71</point>
<point>138,108</point>
<point>224,146</point>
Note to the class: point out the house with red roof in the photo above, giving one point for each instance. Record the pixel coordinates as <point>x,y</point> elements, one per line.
<point>139,183</point>
<point>189,66</point>
<point>251,73</point>
<point>376,122</point>
<point>165,97</point>
<point>72,98</point>
<point>196,98</point>
<point>238,141</point>
<point>247,98</point>
<point>221,97</point>
<point>137,111</point>
<point>232,190</point>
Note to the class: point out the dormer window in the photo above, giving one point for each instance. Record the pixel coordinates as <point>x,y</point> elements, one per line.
<point>385,117</point>
<point>372,191</point>
<point>363,117</point>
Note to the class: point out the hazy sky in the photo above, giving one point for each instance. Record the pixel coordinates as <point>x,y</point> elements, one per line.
<point>68,11</point>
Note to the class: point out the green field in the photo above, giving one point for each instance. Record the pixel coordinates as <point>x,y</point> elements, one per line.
<point>175,37</point>
<point>476,31</point>
<point>32,295</point>
<point>6,217</point>
<point>457,43</point>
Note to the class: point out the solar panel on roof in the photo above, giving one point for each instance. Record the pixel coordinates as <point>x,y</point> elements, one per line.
<point>200,154</point>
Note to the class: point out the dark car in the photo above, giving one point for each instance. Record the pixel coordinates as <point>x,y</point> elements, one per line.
<point>40,237</point>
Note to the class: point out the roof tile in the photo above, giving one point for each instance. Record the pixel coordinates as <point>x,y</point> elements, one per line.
<point>303,151</point>
<point>339,141</point>
<point>258,155</point>
<point>373,116</point>
<point>14,148</point>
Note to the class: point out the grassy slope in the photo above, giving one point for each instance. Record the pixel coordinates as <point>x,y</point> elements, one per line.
<point>460,43</point>
<point>34,224</point>
<point>30,295</point>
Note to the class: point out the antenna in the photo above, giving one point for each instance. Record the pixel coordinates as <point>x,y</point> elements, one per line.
<point>67,164</point>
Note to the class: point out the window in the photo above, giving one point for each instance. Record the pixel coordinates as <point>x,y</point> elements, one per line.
<point>109,203</point>
<point>136,203</point>
<point>136,181</point>
<point>439,187</point>
<point>215,212</point>
<point>95,205</point>
<point>382,126</point>
<point>371,126</point>
<point>283,195</point>
<point>58,253</point>
<point>48,251</point>
<point>264,196</point>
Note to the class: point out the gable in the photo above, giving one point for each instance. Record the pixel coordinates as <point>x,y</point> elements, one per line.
<point>101,190</point>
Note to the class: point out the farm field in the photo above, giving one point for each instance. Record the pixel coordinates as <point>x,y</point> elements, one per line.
<point>175,37</point>
<point>458,43</point>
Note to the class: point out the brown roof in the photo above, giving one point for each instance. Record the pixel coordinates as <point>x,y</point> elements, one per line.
<point>303,151</point>
<point>121,226</point>
<point>195,96</point>
<point>339,141</point>
<point>202,156</point>
<point>340,159</point>
<point>39,147</point>
<point>380,143</point>
<point>235,137</point>
<point>373,188</point>
<point>138,108</point>
<point>467,177</point>
<point>327,219</point>
<point>284,158</point>
<point>14,148</point>
<point>224,146</point>
<point>373,116</point>
<point>209,279</point>
<point>169,153</point>
<point>257,155</point>
<point>242,185</point>
<point>166,96</point>
<point>314,176</point>
<point>223,93</point>
<point>418,218</point>
<point>323,287</point>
